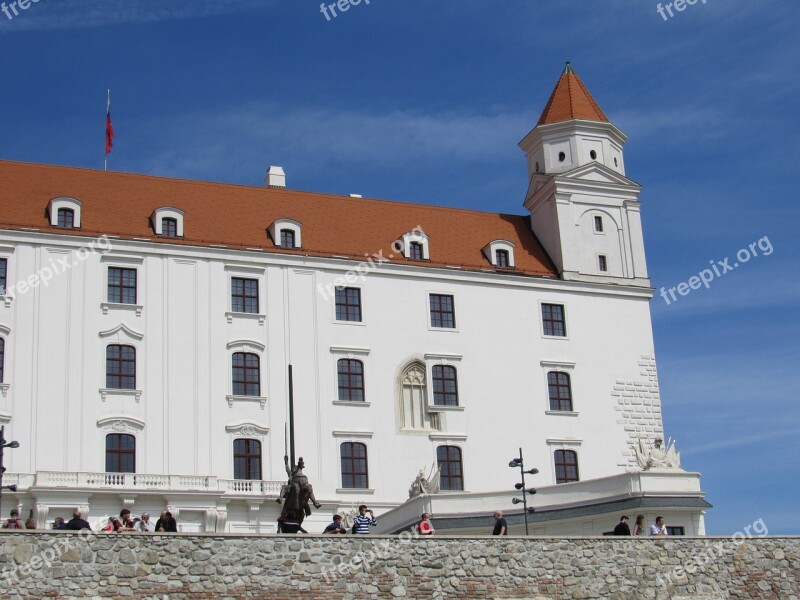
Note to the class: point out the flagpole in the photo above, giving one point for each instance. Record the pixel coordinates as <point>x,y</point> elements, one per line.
<point>108,109</point>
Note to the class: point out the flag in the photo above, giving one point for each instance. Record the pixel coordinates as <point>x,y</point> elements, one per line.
<point>109,127</point>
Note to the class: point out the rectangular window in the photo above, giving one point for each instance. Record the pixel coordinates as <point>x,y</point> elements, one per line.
<point>443,313</point>
<point>351,380</point>
<point>244,295</point>
<point>354,466</point>
<point>287,238</point>
<point>121,367</point>
<point>566,466</point>
<point>246,374</point>
<point>553,322</point>
<point>415,251</point>
<point>246,459</point>
<point>120,453</point>
<point>169,227</point>
<point>598,224</point>
<point>348,304</point>
<point>445,386</point>
<point>451,476</point>
<point>602,262</point>
<point>66,217</point>
<point>3,275</point>
<point>676,530</point>
<point>560,391</point>
<point>121,285</point>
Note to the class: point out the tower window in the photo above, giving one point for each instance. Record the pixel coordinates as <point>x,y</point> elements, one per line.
<point>602,263</point>
<point>598,224</point>
<point>616,162</point>
<point>562,157</point>
<point>537,167</point>
<point>593,155</point>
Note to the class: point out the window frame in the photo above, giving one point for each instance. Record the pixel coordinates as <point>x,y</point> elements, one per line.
<point>563,321</point>
<point>2,359</point>
<point>248,457</point>
<point>284,235</point>
<point>565,452</point>
<point>352,460</point>
<point>244,296</point>
<point>502,252</point>
<point>169,227</point>
<point>247,369</point>
<point>347,306</point>
<point>350,376</point>
<point>65,210</point>
<point>122,287</point>
<point>602,263</point>
<point>446,477</point>
<point>598,219</point>
<point>416,250</point>
<point>3,276</point>
<point>442,381</point>
<point>117,378</point>
<point>431,311</point>
<point>119,452</point>
<point>559,399</point>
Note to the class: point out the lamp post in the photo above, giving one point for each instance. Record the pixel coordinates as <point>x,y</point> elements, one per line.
<point>517,462</point>
<point>3,445</point>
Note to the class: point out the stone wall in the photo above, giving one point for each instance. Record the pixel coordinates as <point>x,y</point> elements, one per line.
<point>168,567</point>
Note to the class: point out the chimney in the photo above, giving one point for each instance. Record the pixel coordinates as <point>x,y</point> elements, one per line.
<point>275,177</point>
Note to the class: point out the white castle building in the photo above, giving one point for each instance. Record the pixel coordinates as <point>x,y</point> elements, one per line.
<point>147,325</point>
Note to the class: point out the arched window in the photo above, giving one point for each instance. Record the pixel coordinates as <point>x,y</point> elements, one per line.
<point>2,359</point>
<point>351,380</point>
<point>246,459</point>
<point>355,473</point>
<point>566,466</point>
<point>246,374</point>
<point>120,367</point>
<point>450,470</point>
<point>414,400</point>
<point>169,227</point>
<point>445,386</point>
<point>560,391</point>
<point>66,218</point>
<point>120,453</point>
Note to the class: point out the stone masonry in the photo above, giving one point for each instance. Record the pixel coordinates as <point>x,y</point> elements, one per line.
<point>172,567</point>
<point>639,405</point>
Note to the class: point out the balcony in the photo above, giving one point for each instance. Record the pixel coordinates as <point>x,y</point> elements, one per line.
<point>141,482</point>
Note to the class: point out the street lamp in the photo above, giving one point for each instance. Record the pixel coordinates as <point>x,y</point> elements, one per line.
<point>3,445</point>
<point>518,462</point>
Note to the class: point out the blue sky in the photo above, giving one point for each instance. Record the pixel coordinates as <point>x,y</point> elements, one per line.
<point>425,102</point>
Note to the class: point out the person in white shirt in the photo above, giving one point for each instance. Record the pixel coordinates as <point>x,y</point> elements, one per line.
<point>145,524</point>
<point>659,527</point>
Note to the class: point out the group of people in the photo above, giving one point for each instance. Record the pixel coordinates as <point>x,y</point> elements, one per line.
<point>125,523</point>
<point>659,528</point>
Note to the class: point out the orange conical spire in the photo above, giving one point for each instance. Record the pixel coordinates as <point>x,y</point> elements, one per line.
<point>571,100</point>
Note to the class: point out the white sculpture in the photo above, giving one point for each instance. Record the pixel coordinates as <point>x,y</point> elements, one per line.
<point>425,485</point>
<point>657,456</point>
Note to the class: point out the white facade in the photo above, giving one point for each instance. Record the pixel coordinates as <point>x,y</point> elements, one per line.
<point>185,414</point>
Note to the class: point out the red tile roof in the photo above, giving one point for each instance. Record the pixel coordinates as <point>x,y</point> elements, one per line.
<point>238,217</point>
<point>571,100</point>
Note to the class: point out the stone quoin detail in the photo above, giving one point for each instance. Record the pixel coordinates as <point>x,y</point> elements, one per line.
<point>639,404</point>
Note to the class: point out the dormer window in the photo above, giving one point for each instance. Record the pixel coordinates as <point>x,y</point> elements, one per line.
<point>169,227</point>
<point>65,212</point>
<point>287,238</point>
<point>285,233</point>
<point>500,253</point>
<point>501,259</point>
<point>66,218</point>
<point>415,245</point>
<point>168,222</point>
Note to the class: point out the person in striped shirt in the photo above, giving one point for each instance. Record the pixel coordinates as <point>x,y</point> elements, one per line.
<point>362,522</point>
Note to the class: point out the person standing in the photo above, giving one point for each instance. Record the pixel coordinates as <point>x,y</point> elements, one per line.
<point>639,527</point>
<point>659,527</point>
<point>500,524</point>
<point>622,527</point>
<point>425,527</point>
<point>13,522</point>
<point>362,522</point>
